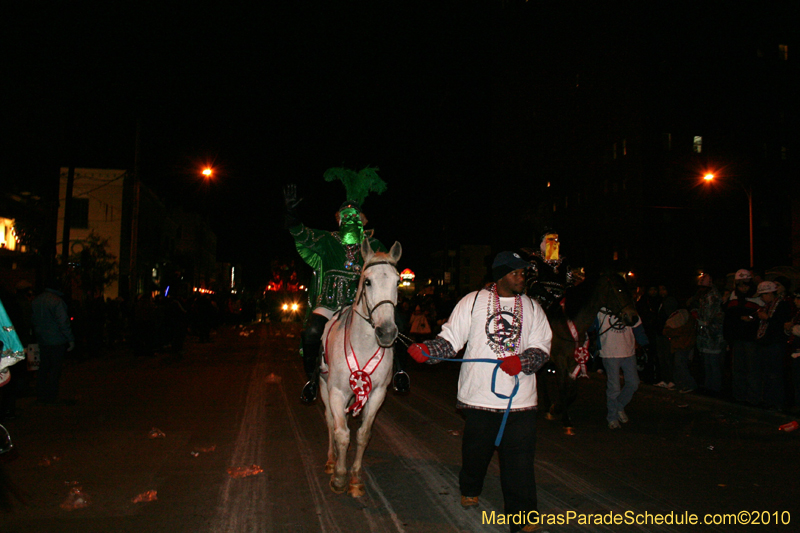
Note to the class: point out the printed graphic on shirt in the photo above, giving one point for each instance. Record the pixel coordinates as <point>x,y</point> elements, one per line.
<point>614,322</point>
<point>503,332</point>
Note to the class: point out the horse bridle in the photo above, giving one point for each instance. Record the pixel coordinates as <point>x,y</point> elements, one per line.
<point>363,293</point>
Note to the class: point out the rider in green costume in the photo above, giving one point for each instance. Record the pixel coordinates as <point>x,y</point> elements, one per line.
<point>336,260</point>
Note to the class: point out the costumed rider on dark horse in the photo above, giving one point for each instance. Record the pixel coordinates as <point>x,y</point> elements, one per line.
<point>336,259</point>
<point>548,277</point>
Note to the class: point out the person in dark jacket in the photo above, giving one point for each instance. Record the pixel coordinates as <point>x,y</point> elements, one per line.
<point>667,306</point>
<point>680,329</point>
<point>51,325</point>
<point>771,341</point>
<point>739,328</point>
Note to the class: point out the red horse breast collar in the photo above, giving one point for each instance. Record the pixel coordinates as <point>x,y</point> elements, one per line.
<point>360,378</point>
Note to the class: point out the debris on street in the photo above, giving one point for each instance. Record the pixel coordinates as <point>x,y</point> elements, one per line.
<point>156,433</point>
<point>149,496</point>
<point>244,471</point>
<point>76,499</point>
<point>49,460</point>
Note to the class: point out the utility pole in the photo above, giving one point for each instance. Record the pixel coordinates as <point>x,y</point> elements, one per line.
<point>67,214</point>
<point>134,278</point>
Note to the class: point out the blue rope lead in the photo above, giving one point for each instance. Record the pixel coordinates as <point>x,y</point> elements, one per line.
<point>510,397</point>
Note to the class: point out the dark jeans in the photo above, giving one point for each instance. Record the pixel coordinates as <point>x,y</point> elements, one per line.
<point>516,451</point>
<point>712,363</point>
<point>312,342</point>
<point>665,359</point>
<point>49,374</point>
<point>771,359</point>
<point>680,370</point>
<point>746,378</point>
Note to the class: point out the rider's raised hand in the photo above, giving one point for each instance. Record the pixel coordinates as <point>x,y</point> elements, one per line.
<point>511,365</point>
<point>290,199</point>
<point>418,352</point>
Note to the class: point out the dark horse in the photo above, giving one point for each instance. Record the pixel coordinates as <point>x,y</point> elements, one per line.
<point>581,305</point>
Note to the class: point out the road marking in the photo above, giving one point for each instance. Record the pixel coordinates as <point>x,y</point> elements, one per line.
<point>243,504</point>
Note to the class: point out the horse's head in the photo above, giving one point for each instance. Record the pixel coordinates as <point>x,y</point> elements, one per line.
<point>377,290</point>
<point>617,298</point>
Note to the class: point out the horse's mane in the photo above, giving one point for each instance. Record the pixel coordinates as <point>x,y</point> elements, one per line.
<point>378,257</point>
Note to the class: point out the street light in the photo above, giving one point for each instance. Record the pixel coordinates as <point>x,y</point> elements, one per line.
<point>208,172</point>
<point>748,190</point>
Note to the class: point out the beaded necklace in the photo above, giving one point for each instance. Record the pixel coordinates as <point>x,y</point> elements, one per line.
<point>350,251</point>
<point>503,337</point>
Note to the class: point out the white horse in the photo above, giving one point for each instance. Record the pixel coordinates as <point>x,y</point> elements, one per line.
<point>358,363</point>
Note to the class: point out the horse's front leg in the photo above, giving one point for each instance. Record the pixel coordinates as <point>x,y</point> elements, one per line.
<point>341,436</point>
<point>323,389</point>
<point>376,397</point>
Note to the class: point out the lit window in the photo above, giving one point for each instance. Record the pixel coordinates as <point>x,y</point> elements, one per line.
<point>698,144</point>
<point>783,49</point>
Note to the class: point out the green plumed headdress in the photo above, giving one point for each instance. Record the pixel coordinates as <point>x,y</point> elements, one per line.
<point>357,185</point>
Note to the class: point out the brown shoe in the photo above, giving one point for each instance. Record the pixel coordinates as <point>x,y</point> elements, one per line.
<point>469,501</point>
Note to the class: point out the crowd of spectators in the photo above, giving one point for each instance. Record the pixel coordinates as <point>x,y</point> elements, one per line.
<point>734,338</point>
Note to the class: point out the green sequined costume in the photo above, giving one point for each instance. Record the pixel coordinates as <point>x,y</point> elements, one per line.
<point>337,266</point>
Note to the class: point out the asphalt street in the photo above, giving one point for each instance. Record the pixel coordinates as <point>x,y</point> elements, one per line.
<point>185,432</point>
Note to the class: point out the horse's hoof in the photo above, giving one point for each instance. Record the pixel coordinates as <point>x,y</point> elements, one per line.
<point>356,490</point>
<point>550,416</point>
<point>335,488</point>
<point>329,467</point>
<point>568,431</point>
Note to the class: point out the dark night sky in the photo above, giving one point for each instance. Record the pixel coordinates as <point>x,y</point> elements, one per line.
<point>276,92</point>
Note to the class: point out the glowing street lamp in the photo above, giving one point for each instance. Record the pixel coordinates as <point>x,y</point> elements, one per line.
<point>208,172</point>
<point>748,190</point>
